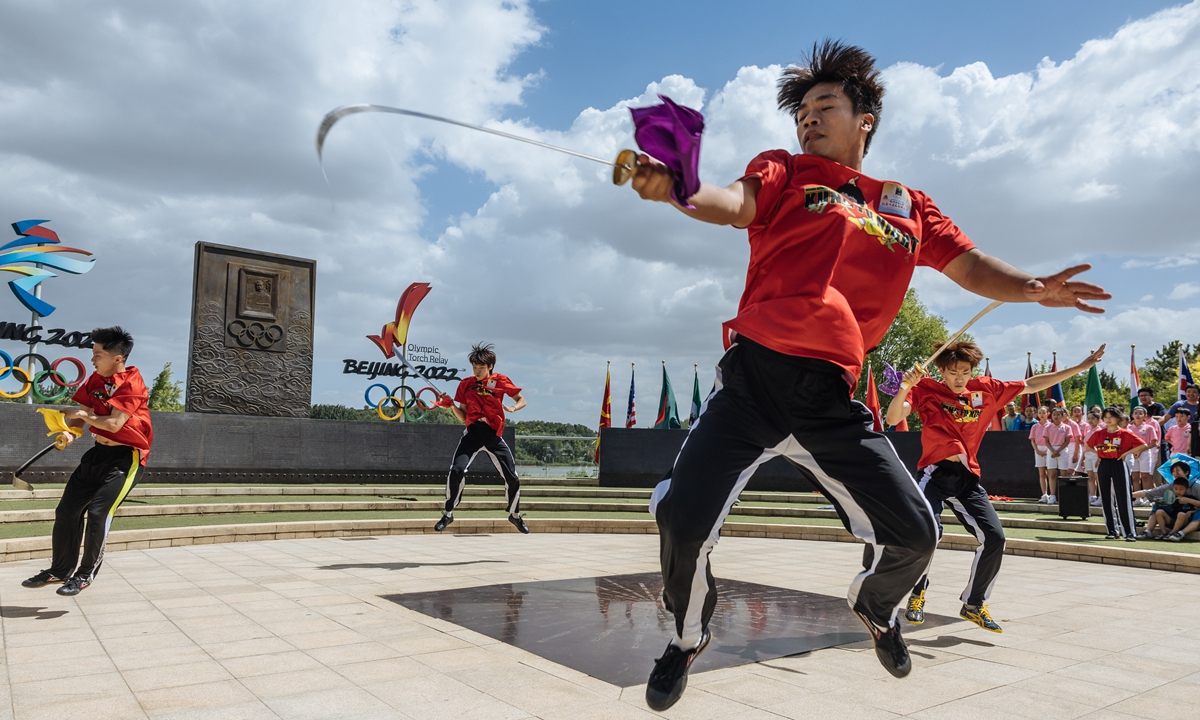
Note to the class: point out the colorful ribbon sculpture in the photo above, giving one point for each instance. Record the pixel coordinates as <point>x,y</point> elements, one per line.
<point>32,248</point>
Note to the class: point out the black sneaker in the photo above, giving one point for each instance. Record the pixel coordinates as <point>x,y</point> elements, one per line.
<point>1110,536</point>
<point>1130,538</point>
<point>74,585</point>
<point>889,647</point>
<point>42,579</point>
<point>519,523</point>
<point>669,678</point>
<point>441,524</point>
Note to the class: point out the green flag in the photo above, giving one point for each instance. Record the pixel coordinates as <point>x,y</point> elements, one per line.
<point>1095,394</point>
<point>695,411</point>
<point>668,413</point>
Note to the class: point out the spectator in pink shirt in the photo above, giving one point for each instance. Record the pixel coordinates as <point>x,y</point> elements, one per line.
<point>1142,465</point>
<point>1075,420</point>
<point>1179,435</point>
<point>1091,462</point>
<point>1058,436</point>
<point>1037,438</point>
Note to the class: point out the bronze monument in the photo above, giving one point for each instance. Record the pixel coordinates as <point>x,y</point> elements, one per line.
<point>252,333</point>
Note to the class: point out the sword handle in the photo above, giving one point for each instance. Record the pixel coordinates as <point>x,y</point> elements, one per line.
<point>60,442</point>
<point>624,166</point>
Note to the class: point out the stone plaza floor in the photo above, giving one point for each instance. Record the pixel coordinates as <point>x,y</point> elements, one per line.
<point>303,629</point>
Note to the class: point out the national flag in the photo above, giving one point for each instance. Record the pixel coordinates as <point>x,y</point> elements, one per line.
<point>1033,399</point>
<point>998,421</point>
<point>1134,382</point>
<point>668,411</point>
<point>1094,395</point>
<point>605,411</point>
<point>873,401</point>
<point>695,413</point>
<point>631,413</point>
<point>1055,392</point>
<point>1185,374</point>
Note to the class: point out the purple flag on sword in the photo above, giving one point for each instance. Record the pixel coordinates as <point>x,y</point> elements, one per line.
<point>671,133</point>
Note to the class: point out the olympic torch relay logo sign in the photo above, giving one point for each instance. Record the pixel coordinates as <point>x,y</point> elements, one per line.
<point>395,334</point>
<point>36,249</point>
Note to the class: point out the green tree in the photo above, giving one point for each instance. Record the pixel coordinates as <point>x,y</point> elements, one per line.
<point>908,341</point>
<point>166,395</point>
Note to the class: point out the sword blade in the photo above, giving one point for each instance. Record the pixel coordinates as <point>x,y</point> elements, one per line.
<point>33,459</point>
<point>995,304</point>
<point>338,113</point>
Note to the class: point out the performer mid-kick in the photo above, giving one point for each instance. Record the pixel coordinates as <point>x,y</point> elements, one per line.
<point>480,407</point>
<point>832,251</point>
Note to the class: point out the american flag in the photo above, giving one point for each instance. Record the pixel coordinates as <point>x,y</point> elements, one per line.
<point>631,414</point>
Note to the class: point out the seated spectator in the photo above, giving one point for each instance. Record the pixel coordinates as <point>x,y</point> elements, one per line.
<point>1154,410</point>
<point>1174,506</point>
<point>1179,434</point>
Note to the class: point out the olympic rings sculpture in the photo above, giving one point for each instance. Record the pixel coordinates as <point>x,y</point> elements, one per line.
<point>255,334</point>
<point>12,366</point>
<point>413,407</point>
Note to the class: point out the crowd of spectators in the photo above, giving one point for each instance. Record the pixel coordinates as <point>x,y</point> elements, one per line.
<point>1060,444</point>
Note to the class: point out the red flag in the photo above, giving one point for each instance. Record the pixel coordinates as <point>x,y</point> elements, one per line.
<point>1028,399</point>
<point>605,413</point>
<point>998,421</point>
<point>873,400</point>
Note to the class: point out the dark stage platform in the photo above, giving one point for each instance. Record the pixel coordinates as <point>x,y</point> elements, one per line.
<point>613,627</point>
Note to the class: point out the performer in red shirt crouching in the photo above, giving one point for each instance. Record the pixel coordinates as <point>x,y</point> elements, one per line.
<point>481,408</point>
<point>116,405</point>
<point>951,433</point>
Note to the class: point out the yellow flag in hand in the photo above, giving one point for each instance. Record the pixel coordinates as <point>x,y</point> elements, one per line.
<point>57,423</point>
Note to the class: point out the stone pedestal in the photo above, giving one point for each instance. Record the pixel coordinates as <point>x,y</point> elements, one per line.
<point>252,333</point>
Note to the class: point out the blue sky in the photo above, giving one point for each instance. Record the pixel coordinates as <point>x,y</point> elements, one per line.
<point>1053,133</point>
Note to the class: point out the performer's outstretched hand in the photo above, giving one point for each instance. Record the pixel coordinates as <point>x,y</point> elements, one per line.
<point>1059,290</point>
<point>1094,358</point>
<point>652,180</point>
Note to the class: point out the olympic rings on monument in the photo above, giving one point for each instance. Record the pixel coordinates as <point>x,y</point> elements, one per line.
<point>49,369</point>
<point>255,334</point>
<point>413,407</point>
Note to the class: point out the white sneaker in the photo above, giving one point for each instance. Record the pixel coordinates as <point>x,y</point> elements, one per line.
<point>1094,501</point>
<point>1051,499</point>
<point>1042,500</point>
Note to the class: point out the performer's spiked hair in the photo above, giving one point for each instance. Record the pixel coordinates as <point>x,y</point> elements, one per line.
<point>483,354</point>
<point>955,353</point>
<point>832,61</point>
<point>114,340</point>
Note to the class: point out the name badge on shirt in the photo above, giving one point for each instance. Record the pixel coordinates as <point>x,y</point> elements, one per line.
<point>976,399</point>
<point>895,200</point>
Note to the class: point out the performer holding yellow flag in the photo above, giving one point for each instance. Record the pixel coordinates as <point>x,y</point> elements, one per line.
<point>115,403</point>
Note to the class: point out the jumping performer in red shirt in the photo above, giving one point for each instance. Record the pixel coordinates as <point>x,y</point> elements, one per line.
<point>951,433</point>
<point>1112,444</point>
<point>115,404</point>
<point>480,407</point>
<point>832,251</point>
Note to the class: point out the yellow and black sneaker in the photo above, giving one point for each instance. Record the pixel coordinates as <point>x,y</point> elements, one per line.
<point>916,609</point>
<point>979,616</point>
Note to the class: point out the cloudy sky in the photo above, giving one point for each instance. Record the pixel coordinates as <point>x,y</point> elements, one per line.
<point>1050,135</point>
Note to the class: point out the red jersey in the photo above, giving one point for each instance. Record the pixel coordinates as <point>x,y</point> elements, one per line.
<point>125,391</point>
<point>831,255</point>
<point>1111,445</point>
<point>950,424</point>
<point>485,400</point>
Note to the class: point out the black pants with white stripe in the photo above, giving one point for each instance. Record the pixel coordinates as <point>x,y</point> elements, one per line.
<point>1114,486</point>
<point>767,404</point>
<point>955,485</point>
<point>105,475</point>
<point>480,437</point>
